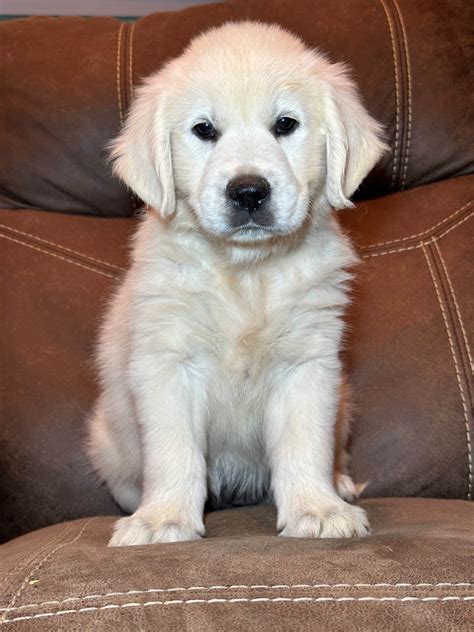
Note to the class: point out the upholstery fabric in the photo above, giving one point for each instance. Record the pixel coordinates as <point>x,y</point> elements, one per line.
<point>414,572</point>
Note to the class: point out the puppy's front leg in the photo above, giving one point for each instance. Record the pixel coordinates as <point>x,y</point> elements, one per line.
<point>171,403</point>
<point>300,421</point>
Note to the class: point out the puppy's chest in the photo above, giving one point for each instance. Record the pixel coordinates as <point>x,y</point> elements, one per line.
<point>250,317</point>
<point>247,342</point>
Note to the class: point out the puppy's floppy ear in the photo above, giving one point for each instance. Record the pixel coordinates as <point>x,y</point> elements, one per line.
<point>353,138</point>
<point>141,154</point>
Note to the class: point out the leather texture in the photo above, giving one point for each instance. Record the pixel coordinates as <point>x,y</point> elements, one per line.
<point>408,350</point>
<point>411,60</point>
<point>413,573</point>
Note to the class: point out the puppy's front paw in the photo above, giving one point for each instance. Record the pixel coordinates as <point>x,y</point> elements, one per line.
<point>135,530</point>
<point>331,521</point>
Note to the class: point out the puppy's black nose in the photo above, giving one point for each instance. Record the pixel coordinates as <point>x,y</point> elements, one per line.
<point>248,192</point>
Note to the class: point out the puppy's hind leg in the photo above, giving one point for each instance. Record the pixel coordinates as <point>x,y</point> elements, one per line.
<point>342,479</point>
<point>118,467</point>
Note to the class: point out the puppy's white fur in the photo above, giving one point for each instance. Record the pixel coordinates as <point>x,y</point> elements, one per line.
<point>219,357</point>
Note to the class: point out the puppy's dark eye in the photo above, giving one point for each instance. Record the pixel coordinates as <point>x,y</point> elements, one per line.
<point>205,130</point>
<point>285,125</point>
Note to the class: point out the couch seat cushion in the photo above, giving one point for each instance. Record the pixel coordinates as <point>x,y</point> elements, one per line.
<point>413,572</point>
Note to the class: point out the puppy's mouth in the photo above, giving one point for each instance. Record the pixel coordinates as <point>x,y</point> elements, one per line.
<point>257,224</point>
<point>252,232</point>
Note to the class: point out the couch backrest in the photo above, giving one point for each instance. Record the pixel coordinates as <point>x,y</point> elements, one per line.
<point>67,84</point>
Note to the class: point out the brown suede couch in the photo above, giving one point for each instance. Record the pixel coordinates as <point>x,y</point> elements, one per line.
<point>65,87</point>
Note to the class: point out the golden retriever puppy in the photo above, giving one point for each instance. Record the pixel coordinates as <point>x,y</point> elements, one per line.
<point>219,355</point>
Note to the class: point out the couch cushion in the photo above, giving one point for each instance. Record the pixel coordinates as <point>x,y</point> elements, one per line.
<point>408,351</point>
<point>57,274</point>
<point>410,342</point>
<point>58,111</point>
<point>414,572</point>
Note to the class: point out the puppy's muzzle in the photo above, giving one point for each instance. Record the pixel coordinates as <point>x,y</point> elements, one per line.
<point>248,196</point>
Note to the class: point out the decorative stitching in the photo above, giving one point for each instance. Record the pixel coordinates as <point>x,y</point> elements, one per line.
<point>390,252</point>
<point>461,221</point>
<point>235,587</point>
<point>463,363</point>
<point>53,254</point>
<point>419,245</point>
<point>397,93</point>
<point>38,566</point>
<point>130,81</point>
<point>456,368</point>
<point>130,61</point>
<point>61,247</point>
<point>453,296</point>
<point>114,606</point>
<point>424,232</point>
<point>119,51</point>
<point>126,102</point>
<point>407,58</point>
<point>35,555</point>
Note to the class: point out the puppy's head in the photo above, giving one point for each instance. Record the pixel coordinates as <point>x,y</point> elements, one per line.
<point>245,134</point>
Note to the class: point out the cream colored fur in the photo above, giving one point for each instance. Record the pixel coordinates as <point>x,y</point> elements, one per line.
<point>219,355</point>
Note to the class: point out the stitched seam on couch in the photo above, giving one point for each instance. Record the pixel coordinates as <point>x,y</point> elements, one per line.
<point>130,64</point>
<point>149,591</point>
<point>118,73</point>
<point>124,70</point>
<point>60,247</point>
<point>458,311</point>
<point>49,251</point>
<point>34,569</point>
<point>441,224</point>
<point>38,566</point>
<point>33,558</point>
<point>136,202</point>
<point>428,252</point>
<point>369,251</point>
<point>463,372</point>
<point>408,90</point>
<point>314,600</point>
<point>456,322</point>
<point>396,71</point>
